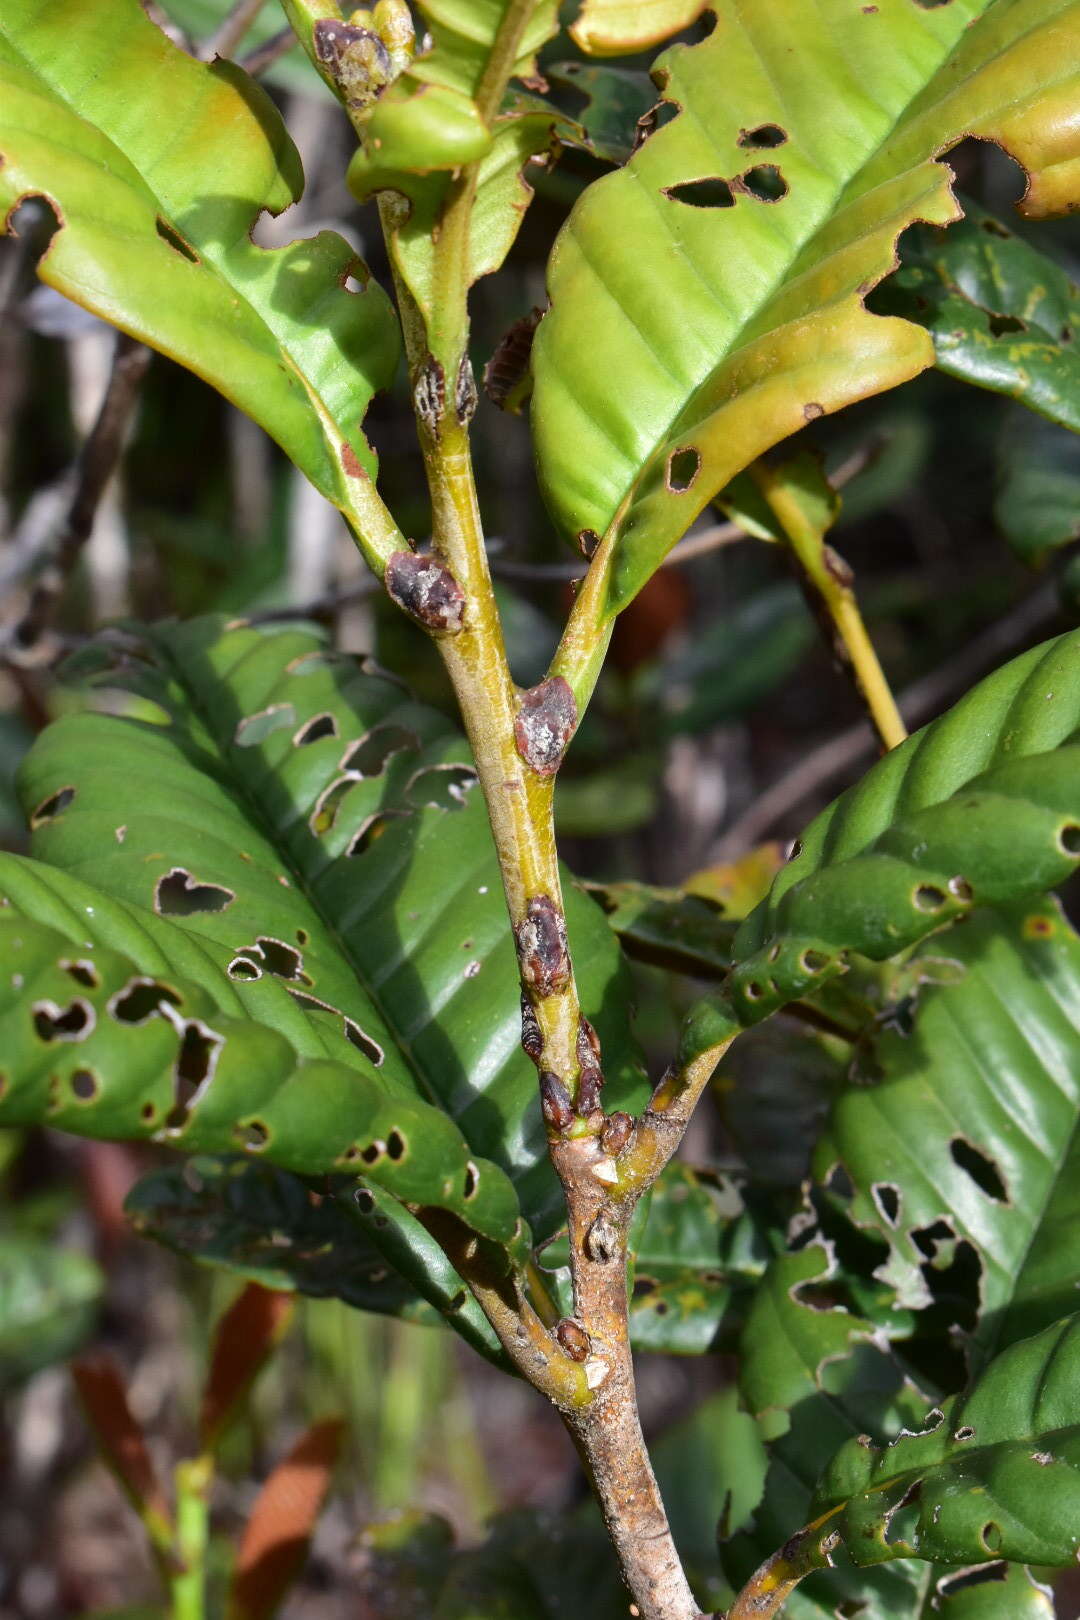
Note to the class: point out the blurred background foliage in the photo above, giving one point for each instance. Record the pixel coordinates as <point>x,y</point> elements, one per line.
<point>720,726</point>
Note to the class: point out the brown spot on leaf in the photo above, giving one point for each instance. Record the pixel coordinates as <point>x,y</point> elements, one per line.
<point>426,590</point>
<point>812,411</point>
<point>545,724</point>
<point>351,461</point>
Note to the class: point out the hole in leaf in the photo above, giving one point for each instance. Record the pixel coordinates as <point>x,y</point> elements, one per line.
<point>887,1198</point>
<point>322,725</point>
<point>175,240</point>
<point>311,1003</point>
<point>195,1065</point>
<point>654,119</point>
<point>1069,838</point>
<point>682,468</point>
<point>928,897</point>
<point>71,1023</point>
<point>179,895</point>
<point>472,1181</point>
<point>371,830</point>
<point>147,1112</point>
<point>140,1000</point>
<point>283,961</point>
<point>949,1585</point>
<point>812,961</point>
<point>966,1433</point>
<point>301,936</point>
<point>241,967</point>
<point>930,5</point>
<point>961,889</point>
<point>765,182</point>
<point>254,1135</point>
<point>902,1520</point>
<point>364,1200</point>
<point>442,787</point>
<point>373,1152</point>
<point>84,1085</point>
<point>83,973</point>
<point>328,804</point>
<point>372,753</point>
<point>255,728</point>
<point>364,1043</point>
<point>765,135</point>
<point>755,991</point>
<point>839,1183</point>
<point>982,1170</point>
<point>710,193</point>
<point>990,1536</point>
<point>396,1145</point>
<point>52,807</point>
<point>1000,325</point>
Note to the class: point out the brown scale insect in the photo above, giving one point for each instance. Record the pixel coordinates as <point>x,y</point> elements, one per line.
<point>429,395</point>
<point>426,590</point>
<point>532,1039</point>
<point>541,946</point>
<point>506,375</point>
<point>617,1131</point>
<point>465,395</point>
<point>589,1085</point>
<point>588,1044</point>
<point>573,1338</point>
<point>545,723</point>
<point>555,1104</point>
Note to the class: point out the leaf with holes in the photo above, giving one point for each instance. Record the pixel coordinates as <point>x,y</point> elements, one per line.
<point>721,274</point>
<point>982,805</point>
<point>993,1473</point>
<point>154,234</point>
<point>616,102</point>
<point>684,932</point>
<point>943,1200</point>
<point>360,1245</point>
<point>309,840</point>
<point>1002,315</point>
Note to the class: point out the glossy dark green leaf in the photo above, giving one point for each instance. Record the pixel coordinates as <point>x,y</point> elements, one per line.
<point>357,1244</point>
<point>944,1200</point>
<point>158,167</point>
<point>616,100</point>
<point>994,1473</point>
<point>668,927</point>
<point>313,837</point>
<point>982,805</point>
<point>1002,314</point>
<point>1038,500</point>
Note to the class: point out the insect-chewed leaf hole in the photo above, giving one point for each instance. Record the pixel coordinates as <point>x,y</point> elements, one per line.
<point>328,804</point>
<point>1003,325</point>
<point>83,973</point>
<point>372,828</point>
<point>901,1521</point>
<point>754,990</point>
<point>961,889</point>
<point>839,1182</point>
<point>363,1042</point>
<point>441,787</point>
<point>990,1536</point>
<point>175,240</point>
<point>887,1198</point>
<point>371,755</point>
<point>1069,838</point>
<point>141,1000</point>
<point>313,730</point>
<point>85,1085</point>
<point>964,1433</point>
<point>812,961</point>
<point>982,1169</point>
<point>656,117</point>
<point>928,897</point>
<point>148,1112</point>
<point>178,894</point>
<point>765,182</point>
<point>712,192</point>
<point>255,728</point>
<point>51,807</point>
<point>396,1145</point>
<point>373,1152</point>
<point>254,1135</point>
<point>71,1023</point>
<point>949,1585</point>
<point>364,1200</point>
<point>683,466</point>
<point>764,136</point>
<point>283,961</point>
<point>472,1181</point>
<point>241,967</point>
<point>195,1064</point>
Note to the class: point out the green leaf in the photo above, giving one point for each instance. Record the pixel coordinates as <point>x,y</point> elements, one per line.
<point>943,1200</point>
<point>158,167</point>
<point>304,832</point>
<point>93,1045</point>
<point>731,313</point>
<point>994,1473</point>
<point>683,932</point>
<point>981,806</point>
<point>49,1298</point>
<point>699,1244</point>
<point>621,27</point>
<point>1038,502</point>
<point>1002,315</point>
<point>616,100</point>
<point>361,1245</point>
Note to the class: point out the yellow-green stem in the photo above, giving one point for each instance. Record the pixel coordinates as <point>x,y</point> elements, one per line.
<point>187,1588</point>
<point>830,579</point>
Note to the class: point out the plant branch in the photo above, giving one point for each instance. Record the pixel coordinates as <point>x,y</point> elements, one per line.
<point>830,581</point>
<point>769,1588</point>
<point>270,51</point>
<point>224,40</point>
